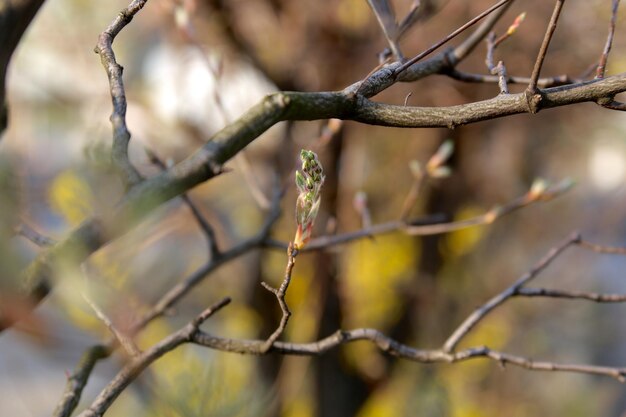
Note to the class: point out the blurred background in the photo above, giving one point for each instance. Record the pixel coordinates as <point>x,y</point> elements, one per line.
<point>190,67</point>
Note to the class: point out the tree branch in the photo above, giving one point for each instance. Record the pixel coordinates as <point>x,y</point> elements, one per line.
<point>121,134</point>
<point>128,374</point>
<point>15,16</point>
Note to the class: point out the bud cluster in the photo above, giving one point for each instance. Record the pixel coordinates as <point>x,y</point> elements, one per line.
<point>309,183</point>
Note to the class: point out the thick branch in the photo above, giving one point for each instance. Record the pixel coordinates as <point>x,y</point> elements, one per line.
<point>15,16</point>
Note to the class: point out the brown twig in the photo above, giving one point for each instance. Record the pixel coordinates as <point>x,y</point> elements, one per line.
<point>125,340</point>
<point>121,134</point>
<point>280,296</point>
<point>73,390</point>
<point>481,312</point>
<point>547,82</point>
<point>207,229</point>
<point>184,287</point>
<point>574,295</point>
<point>448,38</point>
<point>499,69</point>
<point>532,85</point>
<point>609,41</point>
<point>427,226</point>
<point>77,381</point>
<point>610,250</point>
<point>34,236</point>
<point>399,350</point>
<point>129,372</point>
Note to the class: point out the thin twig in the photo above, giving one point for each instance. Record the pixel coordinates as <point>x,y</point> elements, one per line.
<point>77,381</point>
<point>129,372</point>
<point>73,391</point>
<point>611,250</point>
<point>481,312</point>
<point>421,227</point>
<point>532,85</point>
<point>207,229</point>
<point>280,296</point>
<point>574,295</point>
<point>121,134</point>
<point>34,236</point>
<point>609,41</point>
<point>182,288</point>
<point>446,39</point>
<point>488,78</point>
<point>468,45</point>
<point>125,340</point>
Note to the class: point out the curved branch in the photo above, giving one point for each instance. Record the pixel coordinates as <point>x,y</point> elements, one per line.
<point>399,350</point>
<point>15,16</point>
<point>121,135</point>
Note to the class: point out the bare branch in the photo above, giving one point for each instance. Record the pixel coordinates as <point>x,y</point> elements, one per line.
<point>448,38</point>
<point>121,134</point>
<point>575,295</point>
<point>482,311</point>
<point>209,233</point>
<point>78,379</point>
<point>556,81</point>
<point>125,341</point>
<point>104,400</point>
<point>532,85</point>
<point>182,288</point>
<point>34,236</point>
<point>399,350</point>
<point>609,41</point>
<point>15,16</point>
<point>280,296</point>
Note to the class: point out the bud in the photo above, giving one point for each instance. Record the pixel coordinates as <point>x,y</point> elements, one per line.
<point>309,183</point>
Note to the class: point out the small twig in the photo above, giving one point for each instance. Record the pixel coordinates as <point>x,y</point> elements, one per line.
<point>139,363</point>
<point>77,381</point>
<point>449,37</point>
<point>600,71</point>
<point>575,295</point>
<point>181,289</point>
<point>34,236</point>
<point>481,312</point>
<point>420,227</point>
<point>610,250</point>
<point>612,104</point>
<point>499,69</point>
<point>468,45</point>
<point>416,187</point>
<point>121,134</point>
<point>207,229</point>
<point>532,85</point>
<point>547,82</point>
<point>280,296</point>
<point>125,341</point>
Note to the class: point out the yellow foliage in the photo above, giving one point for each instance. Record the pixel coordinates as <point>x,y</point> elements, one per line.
<point>241,321</point>
<point>463,241</point>
<point>353,14</point>
<point>302,406</point>
<point>373,272</point>
<point>71,197</point>
<point>389,400</point>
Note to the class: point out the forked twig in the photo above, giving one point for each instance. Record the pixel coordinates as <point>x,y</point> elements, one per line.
<point>280,294</point>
